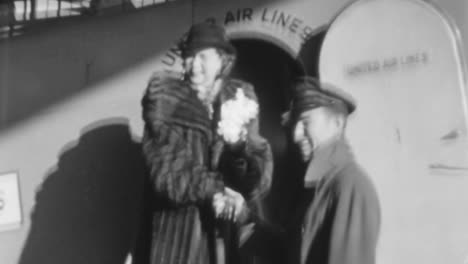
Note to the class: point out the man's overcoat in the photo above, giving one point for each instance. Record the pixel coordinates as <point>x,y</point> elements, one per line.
<point>340,220</point>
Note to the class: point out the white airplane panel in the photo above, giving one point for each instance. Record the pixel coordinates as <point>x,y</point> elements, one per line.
<point>401,60</point>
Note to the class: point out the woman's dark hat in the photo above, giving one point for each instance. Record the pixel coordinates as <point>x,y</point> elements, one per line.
<point>309,93</point>
<point>206,35</point>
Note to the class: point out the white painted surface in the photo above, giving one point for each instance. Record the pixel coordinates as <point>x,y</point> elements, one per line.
<point>10,205</point>
<point>284,23</point>
<point>400,60</point>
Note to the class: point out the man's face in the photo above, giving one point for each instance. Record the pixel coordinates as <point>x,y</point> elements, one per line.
<point>203,67</point>
<point>313,129</point>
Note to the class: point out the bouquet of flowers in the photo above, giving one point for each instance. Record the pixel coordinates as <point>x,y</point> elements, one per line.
<point>236,113</point>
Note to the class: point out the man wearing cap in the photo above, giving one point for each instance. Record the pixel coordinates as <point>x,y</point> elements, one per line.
<point>197,172</point>
<point>338,216</point>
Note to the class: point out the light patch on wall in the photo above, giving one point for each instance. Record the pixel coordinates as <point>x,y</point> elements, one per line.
<point>10,207</point>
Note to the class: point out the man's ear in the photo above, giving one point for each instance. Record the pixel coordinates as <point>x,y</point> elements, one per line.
<point>340,121</point>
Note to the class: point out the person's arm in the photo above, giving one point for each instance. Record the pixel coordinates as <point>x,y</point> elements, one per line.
<point>172,171</point>
<point>356,225</point>
<point>249,164</point>
<point>248,167</point>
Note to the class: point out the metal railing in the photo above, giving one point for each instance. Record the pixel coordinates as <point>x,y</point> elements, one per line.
<point>17,14</point>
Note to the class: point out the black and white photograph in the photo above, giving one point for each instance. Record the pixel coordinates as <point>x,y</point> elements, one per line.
<point>233,131</point>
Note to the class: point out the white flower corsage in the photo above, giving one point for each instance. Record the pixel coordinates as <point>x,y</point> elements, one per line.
<point>236,113</point>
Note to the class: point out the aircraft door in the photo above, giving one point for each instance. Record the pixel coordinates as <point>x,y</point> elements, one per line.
<point>402,62</point>
<point>270,69</point>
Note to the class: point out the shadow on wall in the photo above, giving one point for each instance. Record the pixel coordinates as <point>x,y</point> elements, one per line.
<point>55,60</point>
<point>88,208</point>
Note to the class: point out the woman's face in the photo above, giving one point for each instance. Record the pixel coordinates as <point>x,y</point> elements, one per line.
<point>203,67</point>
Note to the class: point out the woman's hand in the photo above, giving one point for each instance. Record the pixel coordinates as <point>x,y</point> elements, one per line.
<point>228,205</point>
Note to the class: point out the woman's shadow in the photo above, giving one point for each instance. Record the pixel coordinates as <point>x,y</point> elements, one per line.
<point>89,207</point>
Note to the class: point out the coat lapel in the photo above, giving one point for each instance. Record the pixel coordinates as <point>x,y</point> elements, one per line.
<point>320,173</point>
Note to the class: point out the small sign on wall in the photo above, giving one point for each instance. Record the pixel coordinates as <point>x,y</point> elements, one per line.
<point>10,206</point>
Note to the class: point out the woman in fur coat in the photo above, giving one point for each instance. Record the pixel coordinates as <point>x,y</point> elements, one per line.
<point>205,157</point>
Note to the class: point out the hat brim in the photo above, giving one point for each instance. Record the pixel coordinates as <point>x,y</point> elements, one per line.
<point>195,47</point>
<point>344,98</point>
